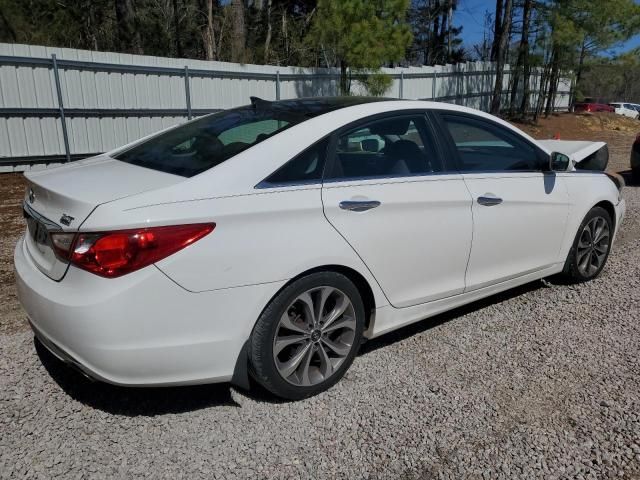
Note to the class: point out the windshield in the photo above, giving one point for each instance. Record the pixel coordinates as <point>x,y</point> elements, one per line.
<point>197,146</point>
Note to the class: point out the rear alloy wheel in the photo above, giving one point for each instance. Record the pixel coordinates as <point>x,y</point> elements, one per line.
<point>308,335</point>
<point>591,246</point>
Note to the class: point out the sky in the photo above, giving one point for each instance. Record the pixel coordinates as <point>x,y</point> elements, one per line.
<point>470,15</point>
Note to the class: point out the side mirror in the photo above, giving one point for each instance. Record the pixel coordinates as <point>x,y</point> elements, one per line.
<point>558,162</point>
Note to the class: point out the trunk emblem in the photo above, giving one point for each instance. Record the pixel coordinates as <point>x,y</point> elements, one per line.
<point>66,219</point>
<point>32,195</point>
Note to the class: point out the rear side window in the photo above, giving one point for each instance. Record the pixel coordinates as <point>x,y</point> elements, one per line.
<point>486,147</point>
<point>197,146</point>
<point>391,147</point>
<point>306,167</point>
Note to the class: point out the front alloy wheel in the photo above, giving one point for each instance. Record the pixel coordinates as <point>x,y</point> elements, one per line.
<point>308,335</point>
<point>591,246</point>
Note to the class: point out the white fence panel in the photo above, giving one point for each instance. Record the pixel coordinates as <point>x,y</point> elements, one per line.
<point>110,99</point>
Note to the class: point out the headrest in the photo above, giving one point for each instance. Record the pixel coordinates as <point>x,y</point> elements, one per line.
<point>396,126</point>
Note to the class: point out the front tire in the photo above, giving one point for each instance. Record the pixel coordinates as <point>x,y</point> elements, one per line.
<point>591,247</point>
<point>307,337</point>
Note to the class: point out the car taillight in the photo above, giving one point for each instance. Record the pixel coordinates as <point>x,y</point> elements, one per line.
<point>112,254</point>
<point>588,108</point>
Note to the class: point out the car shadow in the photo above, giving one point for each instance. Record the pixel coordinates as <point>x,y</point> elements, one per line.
<point>437,320</point>
<point>131,401</point>
<point>151,401</point>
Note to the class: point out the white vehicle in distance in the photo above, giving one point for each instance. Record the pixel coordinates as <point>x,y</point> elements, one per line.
<point>626,109</point>
<point>270,240</point>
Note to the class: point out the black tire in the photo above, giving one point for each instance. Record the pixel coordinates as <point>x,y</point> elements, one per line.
<point>635,175</point>
<point>572,272</point>
<point>261,344</point>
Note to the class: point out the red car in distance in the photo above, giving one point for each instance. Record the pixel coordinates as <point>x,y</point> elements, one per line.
<point>592,107</point>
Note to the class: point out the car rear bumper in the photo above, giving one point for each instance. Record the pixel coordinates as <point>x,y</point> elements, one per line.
<point>142,328</point>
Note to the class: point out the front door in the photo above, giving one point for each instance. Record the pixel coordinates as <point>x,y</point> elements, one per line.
<point>519,211</point>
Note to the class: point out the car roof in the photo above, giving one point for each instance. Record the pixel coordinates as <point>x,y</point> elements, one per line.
<point>314,106</point>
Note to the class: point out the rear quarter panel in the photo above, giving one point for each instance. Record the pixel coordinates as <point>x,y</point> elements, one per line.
<point>264,237</point>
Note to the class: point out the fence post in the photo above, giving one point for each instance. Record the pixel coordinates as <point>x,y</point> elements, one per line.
<point>278,85</point>
<point>187,91</point>
<point>433,84</point>
<point>401,84</point>
<point>65,134</point>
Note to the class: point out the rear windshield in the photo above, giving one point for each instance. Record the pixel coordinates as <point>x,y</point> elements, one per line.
<point>197,146</point>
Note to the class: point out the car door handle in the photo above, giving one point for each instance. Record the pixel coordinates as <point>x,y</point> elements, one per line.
<point>489,201</point>
<point>359,205</point>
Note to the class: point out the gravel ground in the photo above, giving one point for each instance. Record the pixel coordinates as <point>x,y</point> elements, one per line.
<point>540,382</point>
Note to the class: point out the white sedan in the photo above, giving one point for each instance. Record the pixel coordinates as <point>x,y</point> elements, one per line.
<point>270,240</point>
<point>625,109</point>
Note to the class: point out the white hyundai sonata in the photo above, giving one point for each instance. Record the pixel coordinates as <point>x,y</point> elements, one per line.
<point>270,240</point>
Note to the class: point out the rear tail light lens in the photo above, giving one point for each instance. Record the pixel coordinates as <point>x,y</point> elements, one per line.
<point>62,243</point>
<point>113,254</point>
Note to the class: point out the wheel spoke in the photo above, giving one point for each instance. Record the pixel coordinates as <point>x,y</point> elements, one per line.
<point>287,368</point>
<point>346,322</point>
<point>324,294</point>
<point>583,261</point>
<point>286,322</point>
<point>602,247</point>
<point>309,310</point>
<point>305,380</point>
<point>326,367</point>
<point>341,350</point>
<point>283,342</point>
<point>582,254</point>
<point>341,306</point>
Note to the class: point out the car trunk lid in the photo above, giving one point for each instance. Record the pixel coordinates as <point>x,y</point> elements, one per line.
<point>60,199</point>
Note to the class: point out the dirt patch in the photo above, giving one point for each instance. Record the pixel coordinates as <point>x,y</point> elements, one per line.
<point>617,131</point>
<point>11,227</point>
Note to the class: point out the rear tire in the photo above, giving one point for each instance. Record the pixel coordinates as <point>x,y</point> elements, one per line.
<point>307,336</point>
<point>591,247</point>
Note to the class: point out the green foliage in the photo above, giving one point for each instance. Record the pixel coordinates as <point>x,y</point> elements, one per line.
<point>361,34</point>
<point>376,83</point>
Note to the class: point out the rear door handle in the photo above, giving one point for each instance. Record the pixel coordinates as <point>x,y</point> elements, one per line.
<point>359,205</point>
<point>489,201</point>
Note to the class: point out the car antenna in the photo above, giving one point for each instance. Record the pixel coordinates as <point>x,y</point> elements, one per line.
<point>257,102</point>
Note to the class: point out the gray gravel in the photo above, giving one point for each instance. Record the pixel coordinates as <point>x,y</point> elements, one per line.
<point>541,382</point>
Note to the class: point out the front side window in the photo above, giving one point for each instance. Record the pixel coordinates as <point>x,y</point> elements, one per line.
<point>391,147</point>
<point>487,147</point>
<point>197,146</point>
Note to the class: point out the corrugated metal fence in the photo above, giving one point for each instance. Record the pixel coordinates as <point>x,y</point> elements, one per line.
<point>59,104</point>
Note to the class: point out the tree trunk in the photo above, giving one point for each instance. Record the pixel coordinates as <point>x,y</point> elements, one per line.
<point>129,40</point>
<point>578,77</point>
<point>344,83</point>
<point>267,41</point>
<point>450,24</point>
<point>434,39</point>
<point>553,82</point>
<point>501,55</point>
<point>526,65</point>
<point>207,31</point>
<point>239,33</point>
<point>497,30</point>
<point>523,51</point>
<point>177,29</point>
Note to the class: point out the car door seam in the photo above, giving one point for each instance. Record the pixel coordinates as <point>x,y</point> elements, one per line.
<point>324,213</point>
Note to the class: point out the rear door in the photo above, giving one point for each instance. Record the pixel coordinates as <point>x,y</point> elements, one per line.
<point>408,216</point>
<point>519,210</point>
